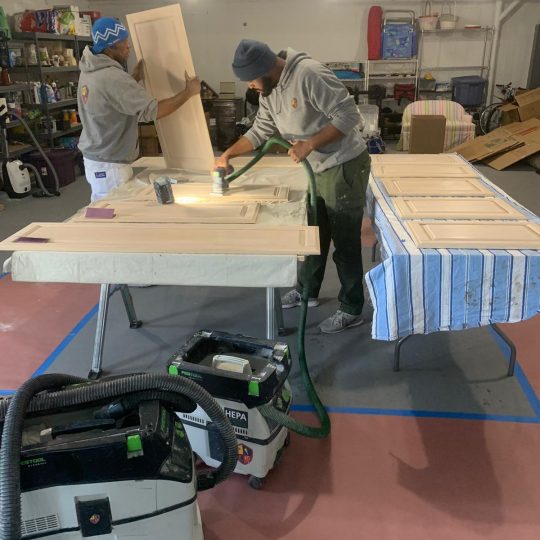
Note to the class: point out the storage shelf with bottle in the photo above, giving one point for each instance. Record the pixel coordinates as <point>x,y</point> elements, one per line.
<point>44,70</point>
<point>391,83</point>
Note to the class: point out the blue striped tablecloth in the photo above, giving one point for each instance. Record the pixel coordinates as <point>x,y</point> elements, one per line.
<point>418,291</point>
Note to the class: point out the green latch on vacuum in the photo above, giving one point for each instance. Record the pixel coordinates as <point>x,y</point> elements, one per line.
<point>134,446</point>
<point>173,370</point>
<point>253,388</point>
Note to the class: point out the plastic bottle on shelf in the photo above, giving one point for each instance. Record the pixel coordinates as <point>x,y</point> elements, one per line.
<point>73,118</point>
<point>56,91</point>
<point>5,79</point>
<point>66,118</point>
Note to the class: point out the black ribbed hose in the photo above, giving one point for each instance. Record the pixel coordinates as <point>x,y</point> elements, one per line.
<point>152,386</point>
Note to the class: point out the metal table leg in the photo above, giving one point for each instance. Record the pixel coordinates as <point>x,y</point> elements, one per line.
<point>95,371</point>
<point>511,346</point>
<point>279,313</point>
<point>270,313</point>
<point>130,308</point>
<point>397,351</point>
<point>374,251</point>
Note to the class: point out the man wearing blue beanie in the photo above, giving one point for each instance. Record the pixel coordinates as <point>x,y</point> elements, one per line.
<point>303,101</point>
<point>112,103</point>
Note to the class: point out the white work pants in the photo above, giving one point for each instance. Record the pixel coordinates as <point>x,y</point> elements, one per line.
<point>104,177</point>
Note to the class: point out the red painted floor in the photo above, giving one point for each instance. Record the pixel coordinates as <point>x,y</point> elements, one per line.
<point>34,319</point>
<point>386,478</point>
<point>376,478</point>
<point>392,478</point>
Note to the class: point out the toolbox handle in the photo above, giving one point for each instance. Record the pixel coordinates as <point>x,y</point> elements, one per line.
<point>80,426</point>
<point>409,13</point>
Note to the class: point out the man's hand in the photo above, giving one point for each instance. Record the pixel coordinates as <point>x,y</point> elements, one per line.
<point>300,150</point>
<point>193,85</point>
<point>222,161</point>
<point>138,71</point>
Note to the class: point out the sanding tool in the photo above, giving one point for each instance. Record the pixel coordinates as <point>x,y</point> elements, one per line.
<point>163,189</point>
<point>220,185</point>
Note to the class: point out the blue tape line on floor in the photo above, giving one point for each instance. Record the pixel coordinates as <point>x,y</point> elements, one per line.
<point>524,383</point>
<point>56,353</point>
<point>65,342</point>
<point>423,414</point>
<point>3,275</point>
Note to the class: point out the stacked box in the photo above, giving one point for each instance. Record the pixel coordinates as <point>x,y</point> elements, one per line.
<point>148,141</point>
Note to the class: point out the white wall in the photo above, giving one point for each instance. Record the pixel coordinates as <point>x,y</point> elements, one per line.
<point>330,30</point>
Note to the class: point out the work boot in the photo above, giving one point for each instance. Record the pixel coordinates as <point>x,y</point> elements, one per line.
<point>340,321</point>
<point>294,298</point>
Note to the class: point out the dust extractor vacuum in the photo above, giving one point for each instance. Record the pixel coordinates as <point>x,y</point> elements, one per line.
<point>107,459</point>
<point>248,378</point>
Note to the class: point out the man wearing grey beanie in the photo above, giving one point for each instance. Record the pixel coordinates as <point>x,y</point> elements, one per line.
<point>305,102</point>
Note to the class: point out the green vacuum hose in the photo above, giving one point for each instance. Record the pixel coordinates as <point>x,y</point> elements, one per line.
<point>267,410</point>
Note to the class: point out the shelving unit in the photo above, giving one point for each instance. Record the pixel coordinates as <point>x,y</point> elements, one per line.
<point>393,70</point>
<point>482,34</point>
<point>38,72</point>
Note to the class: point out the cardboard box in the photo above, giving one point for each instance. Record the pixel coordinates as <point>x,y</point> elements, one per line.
<point>509,113</point>
<point>528,135</point>
<point>506,159</point>
<point>149,147</point>
<point>147,131</point>
<point>528,98</point>
<point>67,8</point>
<point>427,134</point>
<point>71,22</point>
<point>504,146</point>
<point>499,140</point>
<point>227,90</point>
<point>526,106</point>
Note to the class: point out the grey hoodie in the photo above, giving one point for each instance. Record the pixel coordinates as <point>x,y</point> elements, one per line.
<point>307,97</point>
<point>111,103</point>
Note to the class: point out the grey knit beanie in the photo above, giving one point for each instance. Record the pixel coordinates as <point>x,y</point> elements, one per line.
<point>252,60</point>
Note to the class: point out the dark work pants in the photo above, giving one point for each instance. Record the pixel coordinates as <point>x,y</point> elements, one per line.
<point>341,195</point>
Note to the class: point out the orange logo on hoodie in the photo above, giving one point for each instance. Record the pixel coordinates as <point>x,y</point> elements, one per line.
<point>84,94</point>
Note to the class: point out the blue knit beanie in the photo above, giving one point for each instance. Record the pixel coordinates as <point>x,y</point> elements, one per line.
<point>106,32</point>
<point>252,60</point>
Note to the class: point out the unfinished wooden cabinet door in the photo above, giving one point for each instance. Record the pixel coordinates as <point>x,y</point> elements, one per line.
<point>153,212</point>
<point>193,192</point>
<point>160,40</point>
<point>436,187</point>
<point>455,208</point>
<point>423,170</point>
<point>475,234</point>
<point>160,238</point>
<point>423,159</point>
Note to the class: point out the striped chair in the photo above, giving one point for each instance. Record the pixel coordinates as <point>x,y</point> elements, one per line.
<point>459,125</point>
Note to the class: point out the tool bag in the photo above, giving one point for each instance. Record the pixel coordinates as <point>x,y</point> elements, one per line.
<point>398,35</point>
<point>404,91</point>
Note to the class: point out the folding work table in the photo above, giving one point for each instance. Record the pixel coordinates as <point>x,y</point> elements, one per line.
<point>107,269</point>
<point>419,291</point>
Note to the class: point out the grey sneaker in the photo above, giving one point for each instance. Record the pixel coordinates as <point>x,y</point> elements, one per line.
<point>294,298</point>
<point>340,321</point>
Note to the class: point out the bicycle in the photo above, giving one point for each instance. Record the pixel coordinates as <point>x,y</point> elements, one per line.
<point>490,117</point>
